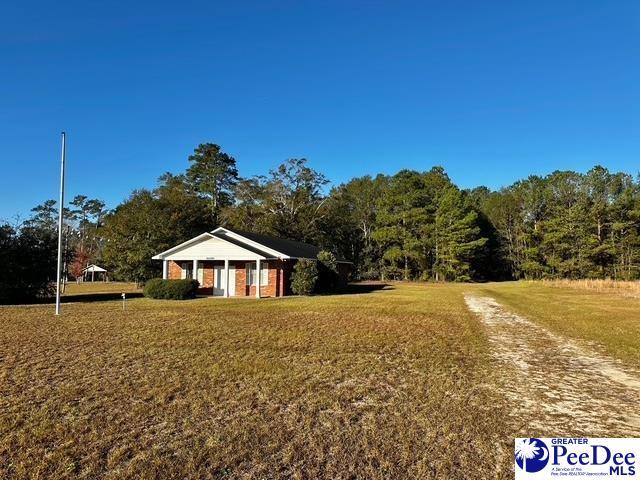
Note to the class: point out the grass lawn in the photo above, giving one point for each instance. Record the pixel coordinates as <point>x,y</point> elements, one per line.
<point>609,318</point>
<point>88,288</point>
<point>395,383</point>
<point>388,384</point>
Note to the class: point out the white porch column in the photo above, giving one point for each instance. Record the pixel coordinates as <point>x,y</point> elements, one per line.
<point>226,278</point>
<point>195,270</point>
<point>258,266</point>
<point>165,269</point>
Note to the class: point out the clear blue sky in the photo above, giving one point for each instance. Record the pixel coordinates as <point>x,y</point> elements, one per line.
<point>492,91</point>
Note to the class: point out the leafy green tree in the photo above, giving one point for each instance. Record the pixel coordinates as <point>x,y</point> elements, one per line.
<point>249,212</point>
<point>288,203</point>
<point>149,222</point>
<point>457,237</point>
<point>294,200</point>
<point>351,220</point>
<point>28,259</point>
<point>568,225</point>
<point>624,232</point>
<point>212,174</point>
<point>502,212</point>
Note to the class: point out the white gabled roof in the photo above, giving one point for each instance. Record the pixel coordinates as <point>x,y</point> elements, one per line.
<point>246,243</point>
<point>223,244</point>
<point>93,268</point>
<point>161,255</point>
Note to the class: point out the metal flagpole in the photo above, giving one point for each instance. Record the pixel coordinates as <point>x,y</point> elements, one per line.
<point>60,215</point>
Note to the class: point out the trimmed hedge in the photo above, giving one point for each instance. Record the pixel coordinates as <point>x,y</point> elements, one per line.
<point>171,289</point>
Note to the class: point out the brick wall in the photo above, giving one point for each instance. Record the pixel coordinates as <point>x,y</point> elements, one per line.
<point>206,287</point>
<point>279,278</point>
<point>286,269</point>
<point>207,275</point>
<point>269,290</point>
<point>241,279</point>
<point>175,271</point>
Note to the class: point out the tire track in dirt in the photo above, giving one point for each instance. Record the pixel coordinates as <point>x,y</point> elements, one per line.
<point>558,386</point>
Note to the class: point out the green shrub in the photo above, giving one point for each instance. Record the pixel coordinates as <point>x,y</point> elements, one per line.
<point>303,279</point>
<point>171,289</point>
<point>154,288</point>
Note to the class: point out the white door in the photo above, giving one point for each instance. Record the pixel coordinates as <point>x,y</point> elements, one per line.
<point>200,276</point>
<point>218,280</point>
<point>232,280</point>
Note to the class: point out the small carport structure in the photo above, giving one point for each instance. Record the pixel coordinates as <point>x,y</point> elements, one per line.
<point>93,271</point>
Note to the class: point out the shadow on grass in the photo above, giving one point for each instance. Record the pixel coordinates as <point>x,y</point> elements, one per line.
<point>362,287</point>
<point>87,297</point>
<point>351,289</point>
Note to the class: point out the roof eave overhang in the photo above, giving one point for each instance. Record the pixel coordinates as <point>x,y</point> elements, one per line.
<point>162,255</point>
<point>251,243</point>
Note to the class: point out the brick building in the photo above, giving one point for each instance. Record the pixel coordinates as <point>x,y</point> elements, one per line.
<point>226,263</point>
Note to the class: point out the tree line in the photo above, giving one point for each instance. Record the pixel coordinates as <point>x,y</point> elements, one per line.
<point>412,225</point>
<point>28,249</point>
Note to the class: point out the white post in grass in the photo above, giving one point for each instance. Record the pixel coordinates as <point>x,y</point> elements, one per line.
<point>60,218</point>
<point>165,269</point>
<point>258,278</point>
<point>226,278</point>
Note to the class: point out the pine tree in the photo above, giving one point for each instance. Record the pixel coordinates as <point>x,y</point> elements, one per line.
<point>457,237</point>
<point>213,175</point>
<point>401,217</point>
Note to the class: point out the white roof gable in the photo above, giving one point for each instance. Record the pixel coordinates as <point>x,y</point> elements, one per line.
<point>208,247</point>
<point>250,243</point>
<point>93,268</point>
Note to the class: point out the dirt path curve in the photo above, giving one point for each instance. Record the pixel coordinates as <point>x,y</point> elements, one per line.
<point>558,386</point>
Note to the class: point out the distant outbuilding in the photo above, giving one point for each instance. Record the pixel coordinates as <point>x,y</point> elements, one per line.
<point>95,273</point>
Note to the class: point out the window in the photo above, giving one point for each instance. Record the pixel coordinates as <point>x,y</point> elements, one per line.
<point>187,270</point>
<point>251,274</point>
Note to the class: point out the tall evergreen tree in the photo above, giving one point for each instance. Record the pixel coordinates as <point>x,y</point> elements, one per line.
<point>457,237</point>
<point>212,174</point>
<point>401,216</point>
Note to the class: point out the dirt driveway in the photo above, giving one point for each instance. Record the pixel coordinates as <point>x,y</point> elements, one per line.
<point>558,386</point>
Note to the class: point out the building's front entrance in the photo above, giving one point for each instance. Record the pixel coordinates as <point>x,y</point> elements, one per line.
<point>219,281</point>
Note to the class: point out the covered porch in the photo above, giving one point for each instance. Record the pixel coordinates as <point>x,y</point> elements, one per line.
<point>227,264</point>
<point>230,277</point>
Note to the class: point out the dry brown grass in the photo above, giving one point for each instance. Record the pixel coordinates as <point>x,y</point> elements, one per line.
<point>609,319</point>
<point>607,286</point>
<point>89,288</point>
<point>389,384</point>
